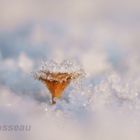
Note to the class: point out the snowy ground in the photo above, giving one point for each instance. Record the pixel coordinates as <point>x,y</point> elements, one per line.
<point>102,37</point>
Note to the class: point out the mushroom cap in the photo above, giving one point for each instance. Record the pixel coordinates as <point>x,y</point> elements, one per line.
<point>57,81</point>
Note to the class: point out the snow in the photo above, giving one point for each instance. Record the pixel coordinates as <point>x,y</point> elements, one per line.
<point>99,39</point>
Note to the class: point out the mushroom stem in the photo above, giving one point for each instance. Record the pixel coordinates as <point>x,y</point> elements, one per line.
<point>53,101</point>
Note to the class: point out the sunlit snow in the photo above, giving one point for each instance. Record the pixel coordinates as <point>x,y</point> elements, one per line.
<point>100,40</point>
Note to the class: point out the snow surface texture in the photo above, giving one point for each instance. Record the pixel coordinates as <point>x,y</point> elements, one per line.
<point>107,110</point>
<point>101,36</point>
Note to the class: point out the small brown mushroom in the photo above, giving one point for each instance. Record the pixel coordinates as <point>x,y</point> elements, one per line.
<point>56,82</point>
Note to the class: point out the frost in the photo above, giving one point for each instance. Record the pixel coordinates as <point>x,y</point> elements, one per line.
<point>67,66</point>
<point>115,91</point>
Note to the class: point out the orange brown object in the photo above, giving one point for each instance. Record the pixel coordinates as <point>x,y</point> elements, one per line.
<point>57,82</point>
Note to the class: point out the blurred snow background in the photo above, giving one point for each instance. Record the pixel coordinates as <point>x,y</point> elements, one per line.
<point>103,36</point>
